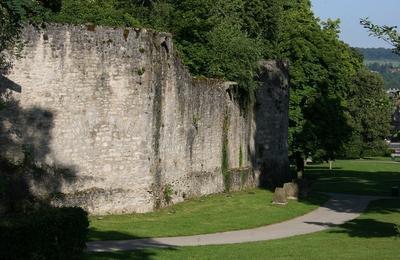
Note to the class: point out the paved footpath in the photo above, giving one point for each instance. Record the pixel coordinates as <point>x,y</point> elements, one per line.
<point>338,210</point>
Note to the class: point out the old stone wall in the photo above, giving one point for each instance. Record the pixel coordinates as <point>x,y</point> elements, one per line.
<point>121,123</point>
<point>272,119</point>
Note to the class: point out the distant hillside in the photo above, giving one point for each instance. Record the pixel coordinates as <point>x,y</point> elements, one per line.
<point>380,55</point>
<point>385,62</point>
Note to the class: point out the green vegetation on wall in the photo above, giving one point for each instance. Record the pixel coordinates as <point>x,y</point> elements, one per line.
<point>240,157</point>
<point>225,155</point>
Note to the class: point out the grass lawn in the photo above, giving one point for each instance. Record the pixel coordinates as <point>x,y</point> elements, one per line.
<point>372,176</point>
<point>249,209</point>
<point>222,212</point>
<point>373,235</point>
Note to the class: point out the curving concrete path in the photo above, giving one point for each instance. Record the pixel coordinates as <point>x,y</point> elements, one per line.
<point>338,210</point>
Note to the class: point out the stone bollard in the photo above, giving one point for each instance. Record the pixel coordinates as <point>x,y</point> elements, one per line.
<point>291,190</point>
<point>279,197</point>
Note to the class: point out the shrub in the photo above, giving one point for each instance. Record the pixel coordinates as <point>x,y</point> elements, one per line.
<point>168,192</point>
<point>53,233</point>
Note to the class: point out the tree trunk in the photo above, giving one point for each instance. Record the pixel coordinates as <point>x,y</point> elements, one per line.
<point>299,165</point>
<point>330,165</point>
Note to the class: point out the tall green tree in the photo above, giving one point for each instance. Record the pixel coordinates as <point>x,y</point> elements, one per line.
<point>12,16</point>
<point>321,71</point>
<point>387,33</point>
<point>371,111</point>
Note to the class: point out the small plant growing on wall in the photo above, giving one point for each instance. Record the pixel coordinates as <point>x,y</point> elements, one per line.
<point>168,192</point>
<point>240,157</point>
<point>196,120</point>
<point>141,71</point>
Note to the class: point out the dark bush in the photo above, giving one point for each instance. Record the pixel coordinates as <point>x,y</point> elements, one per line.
<point>54,233</point>
<point>53,5</point>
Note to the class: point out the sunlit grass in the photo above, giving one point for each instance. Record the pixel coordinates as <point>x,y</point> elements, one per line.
<point>210,214</point>
<point>372,236</point>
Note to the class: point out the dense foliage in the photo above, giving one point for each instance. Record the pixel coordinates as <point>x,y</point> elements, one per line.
<point>11,16</point>
<point>225,39</point>
<point>210,35</point>
<point>58,233</point>
<point>367,104</point>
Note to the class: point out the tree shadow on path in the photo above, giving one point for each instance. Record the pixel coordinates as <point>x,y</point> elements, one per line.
<point>381,219</point>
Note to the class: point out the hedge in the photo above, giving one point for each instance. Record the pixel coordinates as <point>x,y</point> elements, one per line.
<point>54,233</point>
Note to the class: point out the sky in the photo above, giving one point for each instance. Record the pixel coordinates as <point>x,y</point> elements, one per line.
<point>382,12</point>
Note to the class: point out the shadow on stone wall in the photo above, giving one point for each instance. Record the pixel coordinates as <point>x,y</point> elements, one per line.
<point>27,181</point>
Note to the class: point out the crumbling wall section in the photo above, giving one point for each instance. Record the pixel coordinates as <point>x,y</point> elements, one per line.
<point>118,110</point>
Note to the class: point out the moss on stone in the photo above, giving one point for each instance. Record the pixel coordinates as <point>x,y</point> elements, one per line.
<point>225,155</point>
<point>126,34</point>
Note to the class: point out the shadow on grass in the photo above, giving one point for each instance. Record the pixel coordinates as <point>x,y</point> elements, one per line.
<point>138,254</point>
<point>351,181</point>
<point>324,168</point>
<point>314,198</point>
<point>364,228</point>
<point>385,207</point>
<point>367,228</point>
<point>97,235</point>
<point>373,226</point>
<point>144,248</point>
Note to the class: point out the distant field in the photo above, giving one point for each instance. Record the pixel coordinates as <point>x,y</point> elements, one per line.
<point>381,62</point>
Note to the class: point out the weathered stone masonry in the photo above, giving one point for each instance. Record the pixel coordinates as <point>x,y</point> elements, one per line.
<point>118,110</point>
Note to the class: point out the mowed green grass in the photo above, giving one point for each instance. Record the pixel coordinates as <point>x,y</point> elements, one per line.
<point>373,176</point>
<point>216,213</point>
<point>373,235</point>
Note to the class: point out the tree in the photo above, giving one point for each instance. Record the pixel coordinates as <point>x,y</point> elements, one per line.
<point>387,33</point>
<point>321,71</point>
<point>12,14</point>
<point>371,110</point>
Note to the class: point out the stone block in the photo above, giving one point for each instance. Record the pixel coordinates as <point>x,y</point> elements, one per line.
<point>279,197</point>
<point>291,190</point>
